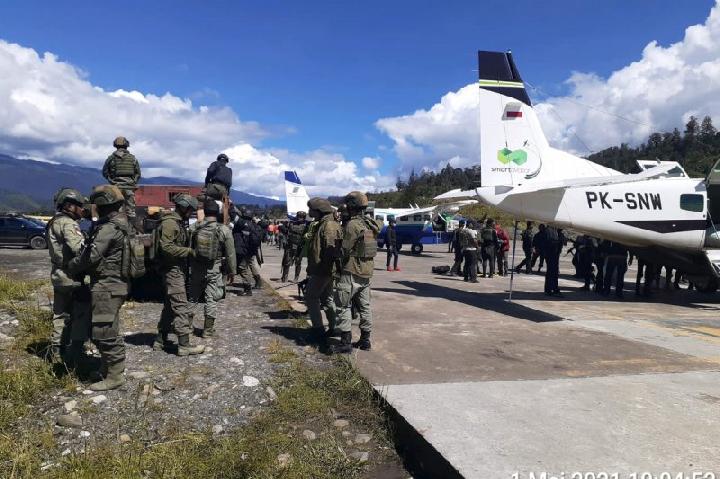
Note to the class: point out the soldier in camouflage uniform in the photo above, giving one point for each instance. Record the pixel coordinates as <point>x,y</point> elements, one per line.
<point>123,170</point>
<point>175,252</point>
<point>71,303</point>
<point>206,276</point>
<point>352,282</point>
<point>293,247</point>
<point>323,241</point>
<point>102,259</point>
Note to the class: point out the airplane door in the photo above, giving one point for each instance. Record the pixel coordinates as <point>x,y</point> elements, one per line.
<point>712,183</point>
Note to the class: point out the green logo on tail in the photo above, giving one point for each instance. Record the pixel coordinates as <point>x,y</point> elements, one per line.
<point>505,156</point>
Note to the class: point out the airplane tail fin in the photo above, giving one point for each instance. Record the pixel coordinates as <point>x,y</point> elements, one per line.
<point>295,193</point>
<point>513,147</point>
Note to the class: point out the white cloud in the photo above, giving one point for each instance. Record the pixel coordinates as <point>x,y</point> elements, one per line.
<point>49,110</point>
<point>371,162</point>
<point>656,93</point>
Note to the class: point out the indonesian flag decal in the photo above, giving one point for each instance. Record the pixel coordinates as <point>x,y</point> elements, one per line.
<point>513,110</point>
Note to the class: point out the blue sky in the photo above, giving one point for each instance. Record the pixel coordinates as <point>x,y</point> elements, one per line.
<point>320,74</point>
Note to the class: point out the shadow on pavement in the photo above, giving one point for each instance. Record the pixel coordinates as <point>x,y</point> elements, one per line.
<point>493,301</point>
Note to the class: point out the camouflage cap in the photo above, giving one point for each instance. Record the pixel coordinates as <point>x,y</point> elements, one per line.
<point>104,195</point>
<point>65,194</point>
<point>121,142</point>
<point>186,201</point>
<point>320,204</point>
<point>356,199</point>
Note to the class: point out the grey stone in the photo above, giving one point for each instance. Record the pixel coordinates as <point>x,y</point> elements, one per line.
<point>284,459</point>
<point>309,435</point>
<point>362,438</point>
<point>217,429</point>
<point>70,405</point>
<point>138,374</point>
<point>99,399</point>
<point>361,456</point>
<point>341,423</point>
<point>271,393</point>
<point>67,420</point>
<point>250,381</point>
<point>124,438</point>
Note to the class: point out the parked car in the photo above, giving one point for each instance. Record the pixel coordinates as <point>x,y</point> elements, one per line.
<point>19,231</point>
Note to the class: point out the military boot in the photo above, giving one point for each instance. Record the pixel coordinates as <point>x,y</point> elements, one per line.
<point>364,341</point>
<point>258,283</point>
<point>114,379</point>
<point>345,346</point>
<point>186,349</point>
<point>160,341</point>
<point>209,328</point>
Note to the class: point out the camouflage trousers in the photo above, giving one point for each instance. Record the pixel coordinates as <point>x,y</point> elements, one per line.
<point>176,315</point>
<point>350,292</point>
<point>129,195</point>
<point>71,314</point>
<point>106,325</point>
<point>291,257</point>
<point>319,297</point>
<point>207,284</point>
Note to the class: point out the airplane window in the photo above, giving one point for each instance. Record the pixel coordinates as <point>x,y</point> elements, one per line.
<point>379,217</point>
<point>390,217</point>
<point>427,217</point>
<point>404,218</point>
<point>692,203</point>
<point>417,217</point>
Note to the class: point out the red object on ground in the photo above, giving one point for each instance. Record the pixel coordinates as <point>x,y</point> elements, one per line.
<point>398,269</point>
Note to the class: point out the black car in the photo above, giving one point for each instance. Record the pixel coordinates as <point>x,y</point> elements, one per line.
<point>19,231</point>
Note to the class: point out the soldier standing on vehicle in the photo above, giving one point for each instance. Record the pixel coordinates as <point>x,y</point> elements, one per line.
<point>175,252</point>
<point>102,258</point>
<point>293,247</point>
<point>248,240</point>
<point>352,283</point>
<point>123,170</point>
<point>218,179</point>
<point>71,298</point>
<point>213,243</point>
<point>323,252</point>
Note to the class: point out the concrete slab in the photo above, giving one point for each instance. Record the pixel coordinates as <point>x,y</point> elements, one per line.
<point>619,424</point>
<point>579,383</point>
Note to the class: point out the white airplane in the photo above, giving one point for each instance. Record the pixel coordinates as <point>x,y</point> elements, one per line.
<point>413,224</point>
<point>660,213</point>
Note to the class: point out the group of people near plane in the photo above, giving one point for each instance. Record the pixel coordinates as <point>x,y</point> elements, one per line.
<point>600,264</point>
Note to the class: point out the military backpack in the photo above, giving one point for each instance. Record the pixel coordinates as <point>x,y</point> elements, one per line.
<point>122,165</point>
<point>206,243</point>
<point>133,254</point>
<point>366,247</point>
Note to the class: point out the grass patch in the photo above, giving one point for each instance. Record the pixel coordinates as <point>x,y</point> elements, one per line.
<point>14,290</point>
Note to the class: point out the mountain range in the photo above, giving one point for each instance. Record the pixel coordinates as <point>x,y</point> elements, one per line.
<point>28,185</point>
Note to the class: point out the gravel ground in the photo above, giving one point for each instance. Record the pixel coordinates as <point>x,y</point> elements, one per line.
<point>165,394</point>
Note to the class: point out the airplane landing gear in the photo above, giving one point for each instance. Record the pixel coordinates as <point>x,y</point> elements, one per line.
<point>416,249</point>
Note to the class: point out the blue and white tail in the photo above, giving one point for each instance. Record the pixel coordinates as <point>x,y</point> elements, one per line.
<point>513,147</point>
<point>296,196</point>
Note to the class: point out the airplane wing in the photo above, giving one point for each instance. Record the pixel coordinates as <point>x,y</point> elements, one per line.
<point>570,183</point>
<point>417,211</point>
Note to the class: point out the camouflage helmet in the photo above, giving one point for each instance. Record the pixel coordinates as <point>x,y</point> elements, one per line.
<point>223,157</point>
<point>186,201</point>
<point>121,142</point>
<point>320,204</point>
<point>105,195</point>
<point>356,200</point>
<point>301,215</point>
<point>71,195</point>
